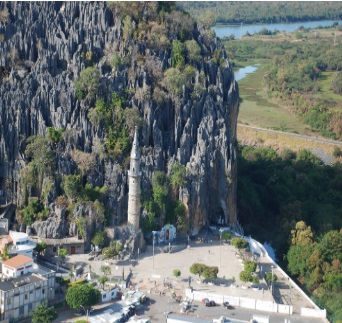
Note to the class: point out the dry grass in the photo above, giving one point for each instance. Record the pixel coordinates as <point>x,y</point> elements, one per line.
<point>279,142</point>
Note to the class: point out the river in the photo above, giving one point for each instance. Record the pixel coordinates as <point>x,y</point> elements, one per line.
<point>240,30</point>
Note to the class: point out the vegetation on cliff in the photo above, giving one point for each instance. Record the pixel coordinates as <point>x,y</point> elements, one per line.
<point>87,76</point>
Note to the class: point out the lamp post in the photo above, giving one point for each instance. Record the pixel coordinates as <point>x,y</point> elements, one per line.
<point>153,233</point>
<point>272,280</point>
<point>220,247</point>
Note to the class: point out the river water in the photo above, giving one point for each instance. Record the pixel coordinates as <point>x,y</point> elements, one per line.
<point>243,71</point>
<point>240,30</point>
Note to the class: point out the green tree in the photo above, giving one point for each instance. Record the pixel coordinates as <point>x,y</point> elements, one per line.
<point>82,294</point>
<point>177,175</point>
<point>81,224</point>
<point>72,186</point>
<point>38,150</point>
<point>250,266</point>
<point>55,135</point>
<point>226,236</point>
<point>177,52</point>
<point>160,187</point>
<point>193,50</point>
<point>87,85</point>
<point>43,314</point>
<point>62,253</point>
<point>268,277</point>
<point>99,239</point>
<point>128,28</point>
<point>40,247</point>
<point>176,272</point>
<point>245,276</point>
<point>302,234</point>
<point>239,243</point>
<point>330,246</point>
<point>198,269</point>
<point>174,80</point>
<point>31,211</point>
<point>336,83</point>
<point>113,250</point>
<point>148,223</point>
<point>106,270</point>
<point>210,272</point>
<point>103,280</point>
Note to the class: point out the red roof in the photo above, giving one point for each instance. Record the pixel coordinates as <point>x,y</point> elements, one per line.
<point>17,261</point>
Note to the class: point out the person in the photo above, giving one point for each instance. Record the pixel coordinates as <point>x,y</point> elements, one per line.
<point>209,252</point>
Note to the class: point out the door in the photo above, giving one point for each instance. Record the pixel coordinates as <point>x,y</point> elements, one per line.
<point>72,250</point>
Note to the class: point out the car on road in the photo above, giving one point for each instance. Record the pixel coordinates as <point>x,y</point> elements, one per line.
<point>208,303</point>
<point>228,306</point>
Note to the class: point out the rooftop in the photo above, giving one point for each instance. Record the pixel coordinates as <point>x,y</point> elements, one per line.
<point>17,261</point>
<point>13,283</point>
<point>67,240</point>
<point>18,235</point>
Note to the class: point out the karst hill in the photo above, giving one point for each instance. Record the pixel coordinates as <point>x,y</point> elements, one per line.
<point>76,78</point>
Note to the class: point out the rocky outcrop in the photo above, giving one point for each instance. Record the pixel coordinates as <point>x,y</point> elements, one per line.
<point>44,49</point>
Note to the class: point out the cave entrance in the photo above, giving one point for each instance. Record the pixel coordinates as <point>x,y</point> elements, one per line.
<point>218,216</point>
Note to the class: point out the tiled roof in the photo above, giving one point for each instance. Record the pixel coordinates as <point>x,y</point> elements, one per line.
<point>17,261</point>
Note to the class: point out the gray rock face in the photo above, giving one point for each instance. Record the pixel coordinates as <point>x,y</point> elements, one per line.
<point>40,59</point>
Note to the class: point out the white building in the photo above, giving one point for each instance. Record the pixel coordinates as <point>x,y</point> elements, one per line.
<point>17,243</point>
<point>17,266</point>
<point>23,286</point>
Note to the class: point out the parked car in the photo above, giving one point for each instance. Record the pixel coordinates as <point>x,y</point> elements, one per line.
<point>208,303</point>
<point>228,306</point>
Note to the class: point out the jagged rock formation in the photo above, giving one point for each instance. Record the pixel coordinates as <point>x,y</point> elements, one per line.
<point>45,47</point>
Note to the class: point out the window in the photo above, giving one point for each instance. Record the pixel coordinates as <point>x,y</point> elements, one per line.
<point>43,291</point>
<point>31,292</point>
<point>54,249</point>
<point>8,301</point>
<point>26,296</point>
<point>22,273</point>
<point>21,311</point>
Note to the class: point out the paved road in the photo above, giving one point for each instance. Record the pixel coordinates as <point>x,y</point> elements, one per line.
<point>321,140</point>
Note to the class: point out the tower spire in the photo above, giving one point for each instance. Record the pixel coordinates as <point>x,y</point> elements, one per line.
<point>134,175</point>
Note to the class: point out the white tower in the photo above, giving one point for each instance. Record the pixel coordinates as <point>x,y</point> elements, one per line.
<point>134,175</point>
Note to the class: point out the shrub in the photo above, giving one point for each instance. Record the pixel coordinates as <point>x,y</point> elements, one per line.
<point>250,266</point>
<point>245,276</point>
<point>176,272</point>
<point>88,83</point>
<point>55,135</point>
<point>193,50</point>
<point>268,277</point>
<point>239,243</point>
<point>226,236</point>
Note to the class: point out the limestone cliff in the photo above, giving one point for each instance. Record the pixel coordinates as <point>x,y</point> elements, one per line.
<point>189,116</point>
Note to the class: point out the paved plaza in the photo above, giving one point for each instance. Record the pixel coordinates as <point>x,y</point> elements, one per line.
<point>149,272</point>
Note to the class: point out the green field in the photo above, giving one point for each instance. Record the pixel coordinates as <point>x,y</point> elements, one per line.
<point>257,110</point>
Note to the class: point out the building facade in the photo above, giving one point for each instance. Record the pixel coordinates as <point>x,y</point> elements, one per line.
<point>134,175</point>
<point>22,293</point>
